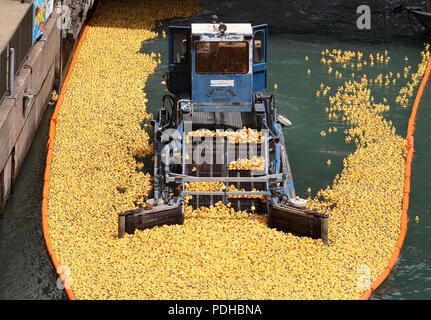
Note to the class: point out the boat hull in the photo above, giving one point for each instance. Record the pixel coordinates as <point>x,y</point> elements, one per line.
<point>299,222</point>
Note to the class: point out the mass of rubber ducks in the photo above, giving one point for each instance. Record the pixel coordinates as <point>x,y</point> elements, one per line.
<point>405,92</point>
<point>343,58</point>
<point>370,187</point>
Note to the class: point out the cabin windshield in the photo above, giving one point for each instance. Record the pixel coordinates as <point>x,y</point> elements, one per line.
<point>222,57</point>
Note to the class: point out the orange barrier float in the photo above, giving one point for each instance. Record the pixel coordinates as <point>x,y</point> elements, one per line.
<point>49,156</point>
<point>405,205</point>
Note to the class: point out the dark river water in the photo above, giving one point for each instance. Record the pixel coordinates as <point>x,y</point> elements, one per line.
<point>26,271</point>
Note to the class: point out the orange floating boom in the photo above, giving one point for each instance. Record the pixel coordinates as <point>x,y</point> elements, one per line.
<point>49,156</point>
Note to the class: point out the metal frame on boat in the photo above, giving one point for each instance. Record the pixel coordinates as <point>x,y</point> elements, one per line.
<point>217,74</point>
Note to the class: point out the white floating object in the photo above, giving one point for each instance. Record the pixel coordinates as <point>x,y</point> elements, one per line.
<point>283,121</point>
<point>298,202</point>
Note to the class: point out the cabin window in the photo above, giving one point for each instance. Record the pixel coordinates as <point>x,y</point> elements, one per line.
<point>179,47</point>
<point>222,57</point>
<point>259,46</point>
